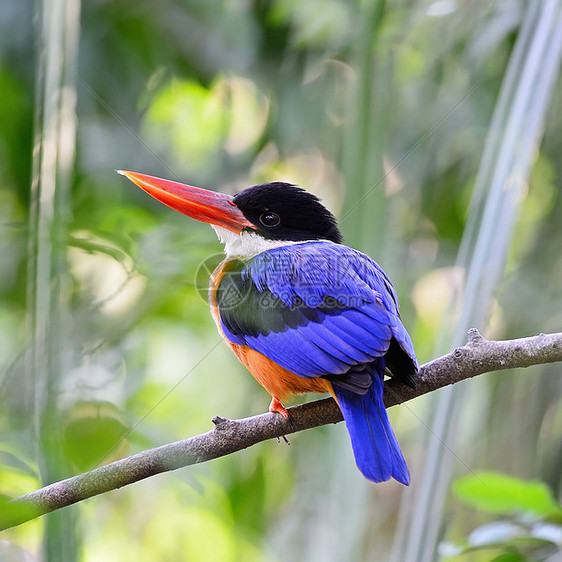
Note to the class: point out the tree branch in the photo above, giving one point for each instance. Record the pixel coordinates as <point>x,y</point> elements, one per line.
<point>478,356</point>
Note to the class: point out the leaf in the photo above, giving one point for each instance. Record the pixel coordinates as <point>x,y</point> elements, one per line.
<point>509,557</point>
<point>94,434</point>
<point>495,533</point>
<point>15,481</point>
<point>547,532</point>
<point>500,493</point>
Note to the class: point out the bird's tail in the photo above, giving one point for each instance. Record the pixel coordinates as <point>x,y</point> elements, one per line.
<point>377,453</point>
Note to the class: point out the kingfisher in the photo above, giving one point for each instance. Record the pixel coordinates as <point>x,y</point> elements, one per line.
<point>302,311</point>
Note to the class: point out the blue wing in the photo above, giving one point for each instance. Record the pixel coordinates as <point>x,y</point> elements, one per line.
<point>374,444</point>
<point>321,309</point>
<point>316,309</point>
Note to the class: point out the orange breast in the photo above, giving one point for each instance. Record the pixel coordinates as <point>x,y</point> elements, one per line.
<point>279,382</point>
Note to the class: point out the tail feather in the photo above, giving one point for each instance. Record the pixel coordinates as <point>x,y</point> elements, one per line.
<point>377,453</point>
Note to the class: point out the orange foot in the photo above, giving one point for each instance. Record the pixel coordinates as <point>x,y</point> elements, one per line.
<point>276,406</point>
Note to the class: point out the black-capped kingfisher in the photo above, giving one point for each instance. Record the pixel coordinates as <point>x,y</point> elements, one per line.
<point>300,310</point>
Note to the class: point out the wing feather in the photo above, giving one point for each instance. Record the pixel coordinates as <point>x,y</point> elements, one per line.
<point>316,309</point>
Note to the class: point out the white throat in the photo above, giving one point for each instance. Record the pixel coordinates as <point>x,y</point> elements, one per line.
<point>247,244</point>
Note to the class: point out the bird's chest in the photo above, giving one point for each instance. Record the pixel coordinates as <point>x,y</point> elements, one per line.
<point>217,283</point>
<point>232,298</point>
<point>214,282</point>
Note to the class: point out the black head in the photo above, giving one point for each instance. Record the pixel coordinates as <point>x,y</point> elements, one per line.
<point>282,211</point>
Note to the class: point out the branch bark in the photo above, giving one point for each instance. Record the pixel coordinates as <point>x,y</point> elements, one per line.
<point>478,356</point>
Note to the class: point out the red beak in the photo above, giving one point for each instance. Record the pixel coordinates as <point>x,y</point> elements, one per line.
<point>201,204</point>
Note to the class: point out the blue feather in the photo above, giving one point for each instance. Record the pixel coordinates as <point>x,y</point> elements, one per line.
<point>304,360</point>
<point>285,291</point>
<point>331,343</point>
<point>351,334</point>
<point>297,354</point>
<point>321,309</point>
<point>377,453</point>
<point>344,342</point>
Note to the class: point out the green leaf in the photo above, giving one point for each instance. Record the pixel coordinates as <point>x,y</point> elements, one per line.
<point>94,434</point>
<point>509,557</point>
<point>15,481</point>
<point>499,493</point>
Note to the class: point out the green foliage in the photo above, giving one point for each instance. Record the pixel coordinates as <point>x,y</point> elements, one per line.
<point>531,527</point>
<point>93,434</point>
<point>499,493</point>
<point>382,109</point>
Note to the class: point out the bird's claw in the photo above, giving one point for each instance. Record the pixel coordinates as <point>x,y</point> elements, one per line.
<point>284,437</point>
<point>276,406</point>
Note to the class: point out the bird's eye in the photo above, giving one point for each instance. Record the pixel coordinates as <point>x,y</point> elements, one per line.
<point>270,219</point>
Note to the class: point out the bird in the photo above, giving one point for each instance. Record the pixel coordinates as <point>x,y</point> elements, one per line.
<point>302,311</point>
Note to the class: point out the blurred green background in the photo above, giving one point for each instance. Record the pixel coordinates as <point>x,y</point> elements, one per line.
<point>107,347</point>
